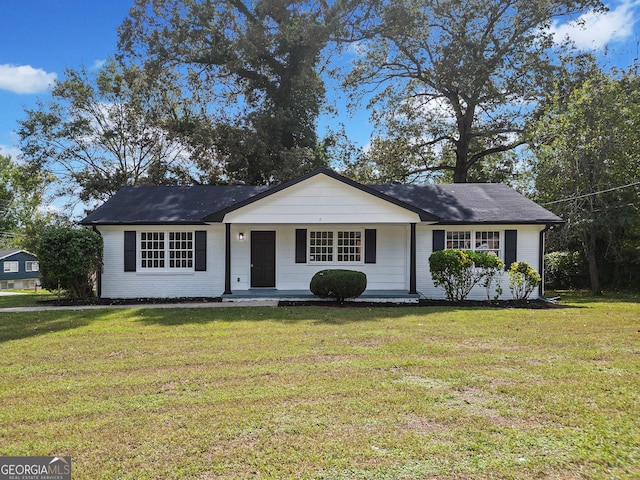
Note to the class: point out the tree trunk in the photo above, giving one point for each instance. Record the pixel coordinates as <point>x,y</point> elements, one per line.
<point>460,172</point>
<point>589,242</point>
<point>465,121</point>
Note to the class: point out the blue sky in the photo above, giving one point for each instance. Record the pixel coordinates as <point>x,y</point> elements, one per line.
<point>40,38</point>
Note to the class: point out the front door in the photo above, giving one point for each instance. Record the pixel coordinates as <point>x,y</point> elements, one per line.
<point>263,259</point>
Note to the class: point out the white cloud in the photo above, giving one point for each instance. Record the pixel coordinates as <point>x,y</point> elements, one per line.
<point>97,64</point>
<point>10,151</point>
<point>594,31</point>
<point>25,79</point>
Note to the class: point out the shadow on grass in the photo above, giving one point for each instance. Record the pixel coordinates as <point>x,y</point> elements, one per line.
<point>287,314</point>
<point>20,326</point>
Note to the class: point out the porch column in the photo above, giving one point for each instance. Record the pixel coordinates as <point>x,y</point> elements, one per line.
<point>227,260</point>
<point>412,261</point>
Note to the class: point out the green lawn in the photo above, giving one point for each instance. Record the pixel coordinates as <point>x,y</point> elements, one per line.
<point>25,298</point>
<point>327,393</point>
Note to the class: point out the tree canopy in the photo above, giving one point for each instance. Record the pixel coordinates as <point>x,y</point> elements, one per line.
<point>101,132</point>
<point>21,196</point>
<point>454,81</point>
<point>254,66</point>
<point>588,172</point>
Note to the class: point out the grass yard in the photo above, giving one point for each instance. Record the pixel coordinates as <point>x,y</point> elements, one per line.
<point>327,393</point>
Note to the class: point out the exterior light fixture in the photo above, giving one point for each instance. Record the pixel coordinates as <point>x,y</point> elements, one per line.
<point>241,236</point>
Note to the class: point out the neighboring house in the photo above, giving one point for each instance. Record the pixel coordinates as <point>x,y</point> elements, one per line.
<point>241,241</point>
<point>19,270</point>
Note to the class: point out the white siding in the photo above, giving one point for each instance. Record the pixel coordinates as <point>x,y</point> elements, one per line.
<point>527,250</point>
<point>321,200</point>
<point>390,272</point>
<point>116,283</point>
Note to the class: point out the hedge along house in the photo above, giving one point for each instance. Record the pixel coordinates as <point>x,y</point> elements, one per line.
<point>240,241</point>
<point>19,269</point>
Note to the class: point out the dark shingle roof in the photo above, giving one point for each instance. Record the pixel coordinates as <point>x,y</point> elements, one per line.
<point>472,203</point>
<point>168,205</point>
<point>446,204</point>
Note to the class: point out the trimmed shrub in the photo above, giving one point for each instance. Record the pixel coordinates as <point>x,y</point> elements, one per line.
<point>458,271</point>
<point>69,259</point>
<point>338,284</point>
<point>523,279</point>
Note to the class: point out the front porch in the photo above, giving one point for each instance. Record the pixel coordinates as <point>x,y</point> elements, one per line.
<point>373,296</point>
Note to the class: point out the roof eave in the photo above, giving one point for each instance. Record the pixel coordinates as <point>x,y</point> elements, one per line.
<point>144,223</point>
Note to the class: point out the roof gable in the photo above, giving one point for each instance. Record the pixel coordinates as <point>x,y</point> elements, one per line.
<point>319,199</point>
<point>316,192</point>
<point>10,253</point>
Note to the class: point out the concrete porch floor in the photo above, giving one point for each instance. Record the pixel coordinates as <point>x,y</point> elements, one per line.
<point>377,296</point>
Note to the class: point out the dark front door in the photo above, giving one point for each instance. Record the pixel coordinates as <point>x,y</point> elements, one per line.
<point>263,259</point>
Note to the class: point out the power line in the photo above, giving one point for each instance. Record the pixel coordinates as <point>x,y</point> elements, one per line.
<point>592,194</point>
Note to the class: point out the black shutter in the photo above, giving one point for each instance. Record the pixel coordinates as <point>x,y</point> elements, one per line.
<point>301,245</point>
<point>370,245</point>
<point>201,251</point>
<point>438,240</point>
<point>510,247</point>
<point>130,251</point>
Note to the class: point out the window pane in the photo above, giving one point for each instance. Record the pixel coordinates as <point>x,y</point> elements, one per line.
<point>458,240</point>
<point>488,242</point>
<point>320,246</point>
<point>349,246</point>
<point>10,267</point>
<point>152,252</point>
<point>180,249</point>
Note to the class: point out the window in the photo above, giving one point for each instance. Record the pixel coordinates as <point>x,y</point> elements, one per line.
<point>181,250</point>
<point>349,246</point>
<point>488,242</point>
<point>459,240</point>
<point>321,246</point>
<point>158,253</point>
<point>335,247</point>
<point>152,250</point>
<point>32,266</point>
<point>10,267</point>
<point>483,241</point>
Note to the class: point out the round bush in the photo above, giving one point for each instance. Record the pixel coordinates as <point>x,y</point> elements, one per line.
<point>338,284</point>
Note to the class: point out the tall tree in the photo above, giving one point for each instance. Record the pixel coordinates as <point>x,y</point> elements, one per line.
<point>21,196</point>
<point>455,80</point>
<point>257,61</point>
<point>100,133</point>
<point>588,172</point>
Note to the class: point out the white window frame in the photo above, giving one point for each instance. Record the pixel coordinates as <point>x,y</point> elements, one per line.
<point>11,267</point>
<point>336,248</point>
<point>31,266</point>
<point>168,252</point>
<point>457,236</point>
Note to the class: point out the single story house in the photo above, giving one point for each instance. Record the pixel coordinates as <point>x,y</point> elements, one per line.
<point>19,270</point>
<point>239,241</point>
